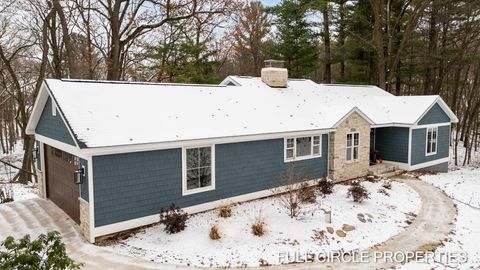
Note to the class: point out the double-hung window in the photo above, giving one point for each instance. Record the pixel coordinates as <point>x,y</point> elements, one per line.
<point>198,169</point>
<point>353,142</point>
<point>431,148</point>
<point>303,147</point>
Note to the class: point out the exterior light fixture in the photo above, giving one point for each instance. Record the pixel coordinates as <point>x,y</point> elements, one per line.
<point>78,176</point>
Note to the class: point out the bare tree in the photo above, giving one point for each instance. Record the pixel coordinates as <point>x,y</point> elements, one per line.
<point>249,33</point>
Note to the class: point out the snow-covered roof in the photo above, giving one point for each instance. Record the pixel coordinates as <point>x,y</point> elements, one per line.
<point>103,114</point>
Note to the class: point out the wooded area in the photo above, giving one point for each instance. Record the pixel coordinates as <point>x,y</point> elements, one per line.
<point>407,47</point>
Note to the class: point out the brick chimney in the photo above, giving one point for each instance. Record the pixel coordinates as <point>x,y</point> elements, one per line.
<point>274,74</point>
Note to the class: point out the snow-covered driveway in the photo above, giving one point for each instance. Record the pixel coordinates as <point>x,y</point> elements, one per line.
<point>35,216</point>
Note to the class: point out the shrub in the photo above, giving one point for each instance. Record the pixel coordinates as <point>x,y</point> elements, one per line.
<point>387,184</point>
<point>258,227</point>
<point>307,193</point>
<point>358,192</point>
<point>384,192</point>
<point>47,252</point>
<point>225,211</point>
<point>214,233</point>
<point>291,186</point>
<point>326,186</point>
<point>174,219</point>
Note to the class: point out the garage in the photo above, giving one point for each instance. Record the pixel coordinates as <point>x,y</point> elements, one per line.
<point>61,189</point>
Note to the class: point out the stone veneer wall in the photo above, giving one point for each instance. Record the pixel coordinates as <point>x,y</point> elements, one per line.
<point>339,168</point>
<point>84,218</point>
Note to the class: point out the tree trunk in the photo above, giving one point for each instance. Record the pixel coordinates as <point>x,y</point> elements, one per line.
<point>377,39</point>
<point>327,73</point>
<point>341,38</point>
<point>71,65</point>
<point>432,51</point>
<point>114,65</point>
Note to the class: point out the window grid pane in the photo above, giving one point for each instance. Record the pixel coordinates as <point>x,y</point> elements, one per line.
<point>290,143</point>
<point>304,146</point>
<point>349,153</point>
<point>199,171</point>
<point>432,140</point>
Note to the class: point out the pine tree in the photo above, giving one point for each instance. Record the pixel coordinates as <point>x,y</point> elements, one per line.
<point>297,43</point>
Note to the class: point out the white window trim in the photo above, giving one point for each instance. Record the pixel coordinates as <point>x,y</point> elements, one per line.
<point>185,191</point>
<point>352,147</point>
<point>426,140</point>
<point>295,158</point>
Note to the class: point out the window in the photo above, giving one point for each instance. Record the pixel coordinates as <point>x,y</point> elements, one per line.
<point>198,169</point>
<point>303,148</point>
<point>353,142</point>
<point>431,148</point>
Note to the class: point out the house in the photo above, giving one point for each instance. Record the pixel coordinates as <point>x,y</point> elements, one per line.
<point>111,154</point>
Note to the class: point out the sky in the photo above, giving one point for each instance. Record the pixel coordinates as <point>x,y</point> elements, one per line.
<point>270,2</point>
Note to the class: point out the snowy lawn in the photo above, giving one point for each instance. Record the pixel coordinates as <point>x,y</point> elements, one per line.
<point>383,216</point>
<point>463,186</point>
<point>19,191</point>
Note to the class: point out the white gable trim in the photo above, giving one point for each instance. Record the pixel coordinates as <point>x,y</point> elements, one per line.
<point>228,80</point>
<point>445,108</point>
<point>354,110</point>
<point>37,111</point>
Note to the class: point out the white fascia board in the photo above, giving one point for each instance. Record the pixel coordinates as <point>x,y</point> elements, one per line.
<point>38,107</point>
<point>392,125</point>
<point>59,111</point>
<point>445,108</point>
<point>97,151</point>
<point>354,110</point>
<point>61,145</point>
<point>431,125</point>
<point>37,110</point>
<point>229,79</point>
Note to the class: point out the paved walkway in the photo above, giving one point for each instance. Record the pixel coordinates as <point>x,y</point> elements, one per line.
<point>432,225</point>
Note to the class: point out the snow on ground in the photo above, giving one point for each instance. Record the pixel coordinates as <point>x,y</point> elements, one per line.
<point>462,184</point>
<point>19,191</point>
<point>238,246</point>
<point>15,158</point>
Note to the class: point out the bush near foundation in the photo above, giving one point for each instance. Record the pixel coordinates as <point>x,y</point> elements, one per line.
<point>174,219</point>
<point>358,192</point>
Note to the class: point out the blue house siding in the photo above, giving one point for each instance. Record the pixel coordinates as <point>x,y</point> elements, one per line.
<point>419,142</point>
<point>84,186</point>
<point>434,116</point>
<point>53,126</point>
<point>392,143</point>
<point>133,185</point>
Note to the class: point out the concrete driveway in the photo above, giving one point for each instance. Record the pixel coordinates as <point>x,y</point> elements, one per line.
<point>432,225</point>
